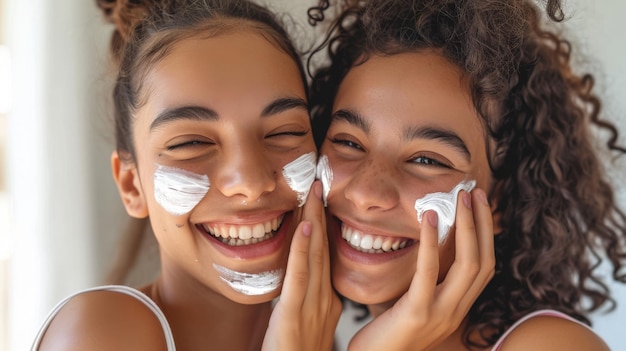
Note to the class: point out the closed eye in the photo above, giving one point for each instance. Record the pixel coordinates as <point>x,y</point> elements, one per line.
<point>188,144</point>
<point>288,133</point>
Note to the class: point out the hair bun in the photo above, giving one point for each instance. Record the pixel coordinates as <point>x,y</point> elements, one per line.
<point>125,14</point>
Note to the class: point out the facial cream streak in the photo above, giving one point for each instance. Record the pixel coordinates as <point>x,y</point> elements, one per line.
<point>179,191</point>
<point>325,174</point>
<point>300,175</point>
<point>445,206</point>
<point>251,283</point>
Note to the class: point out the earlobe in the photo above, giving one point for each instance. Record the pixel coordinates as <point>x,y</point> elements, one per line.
<point>128,184</point>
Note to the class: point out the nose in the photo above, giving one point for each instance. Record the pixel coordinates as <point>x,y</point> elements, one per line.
<point>373,187</point>
<point>244,172</point>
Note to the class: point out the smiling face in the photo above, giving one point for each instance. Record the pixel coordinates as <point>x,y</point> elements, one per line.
<point>222,117</point>
<point>403,126</point>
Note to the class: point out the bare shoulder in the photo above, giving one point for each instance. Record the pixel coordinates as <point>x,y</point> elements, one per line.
<point>553,333</point>
<point>104,320</point>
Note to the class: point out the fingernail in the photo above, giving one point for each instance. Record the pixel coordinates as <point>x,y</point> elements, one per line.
<point>307,228</point>
<point>467,199</point>
<point>482,197</point>
<point>432,218</point>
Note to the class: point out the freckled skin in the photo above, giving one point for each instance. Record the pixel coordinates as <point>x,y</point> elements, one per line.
<point>376,184</point>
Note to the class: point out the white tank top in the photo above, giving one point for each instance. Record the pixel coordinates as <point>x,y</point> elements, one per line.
<point>169,338</point>
<point>552,313</point>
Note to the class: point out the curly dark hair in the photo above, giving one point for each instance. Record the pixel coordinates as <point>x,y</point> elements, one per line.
<point>556,207</point>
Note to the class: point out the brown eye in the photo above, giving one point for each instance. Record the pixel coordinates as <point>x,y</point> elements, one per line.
<point>346,143</point>
<point>429,161</point>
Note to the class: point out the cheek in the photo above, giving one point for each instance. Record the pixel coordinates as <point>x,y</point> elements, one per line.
<point>335,175</point>
<point>300,174</point>
<point>324,173</point>
<point>178,191</point>
<point>445,205</point>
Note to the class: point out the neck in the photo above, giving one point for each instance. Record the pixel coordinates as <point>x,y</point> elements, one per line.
<point>201,318</point>
<point>378,309</point>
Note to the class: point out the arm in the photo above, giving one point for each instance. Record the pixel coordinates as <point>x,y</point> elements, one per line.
<point>552,333</point>
<point>429,312</point>
<point>308,311</point>
<point>104,320</point>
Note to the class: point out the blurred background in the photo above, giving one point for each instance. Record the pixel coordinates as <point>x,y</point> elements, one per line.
<point>61,220</point>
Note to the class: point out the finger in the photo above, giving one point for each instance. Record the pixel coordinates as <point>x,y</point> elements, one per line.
<point>296,279</point>
<point>484,227</point>
<point>483,219</point>
<point>319,265</point>
<point>422,288</point>
<point>466,264</point>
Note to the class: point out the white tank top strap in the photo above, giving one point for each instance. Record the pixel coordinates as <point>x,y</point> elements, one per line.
<point>547,312</point>
<point>169,338</point>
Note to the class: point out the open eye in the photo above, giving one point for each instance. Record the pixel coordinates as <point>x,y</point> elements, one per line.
<point>430,160</point>
<point>346,143</point>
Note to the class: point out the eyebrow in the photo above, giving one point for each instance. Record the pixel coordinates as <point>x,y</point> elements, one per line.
<point>447,137</point>
<point>353,118</point>
<point>198,113</point>
<point>195,113</point>
<point>283,104</point>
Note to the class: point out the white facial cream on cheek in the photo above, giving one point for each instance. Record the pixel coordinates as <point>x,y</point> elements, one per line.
<point>445,206</point>
<point>179,191</point>
<point>300,174</point>
<point>325,174</point>
<point>251,283</point>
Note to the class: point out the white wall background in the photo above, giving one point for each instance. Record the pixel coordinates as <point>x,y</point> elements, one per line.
<point>66,214</point>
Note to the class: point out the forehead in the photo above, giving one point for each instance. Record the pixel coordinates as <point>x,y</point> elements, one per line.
<point>410,89</point>
<point>221,69</point>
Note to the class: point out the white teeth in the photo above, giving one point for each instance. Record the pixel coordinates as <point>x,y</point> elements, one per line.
<point>386,245</point>
<point>370,243</point>
<point>245,232</point>
<point>238,235</point>
<point>367,242</point>
<point>378,243</point>
<point>258,231</point>
<point>355,240</point>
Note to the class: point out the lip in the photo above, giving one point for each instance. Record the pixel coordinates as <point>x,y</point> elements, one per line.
<point>344,249</point>
<point>251,251</point>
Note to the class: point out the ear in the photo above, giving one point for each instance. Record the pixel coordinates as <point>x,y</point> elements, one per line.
<point>129,185</point>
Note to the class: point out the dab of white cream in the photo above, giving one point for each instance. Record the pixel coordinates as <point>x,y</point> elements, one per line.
<point>251,283</point>
<point>300,175</point>
<point>178,191</point>
<point>325,174</point>
<point>445,206</point>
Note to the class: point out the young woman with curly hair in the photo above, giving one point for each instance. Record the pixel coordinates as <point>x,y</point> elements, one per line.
<point>214,146</point>
<point>419,96</point>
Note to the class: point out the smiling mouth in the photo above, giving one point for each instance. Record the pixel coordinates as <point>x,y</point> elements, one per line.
<point>373,244</point>
<point>240,235</point>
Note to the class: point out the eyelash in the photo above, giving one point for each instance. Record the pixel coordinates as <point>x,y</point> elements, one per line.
<point>193,143</point>
<point>290,133</point>
<point>428,161</point>
<point>187,144</point>
<point>346,143</point>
